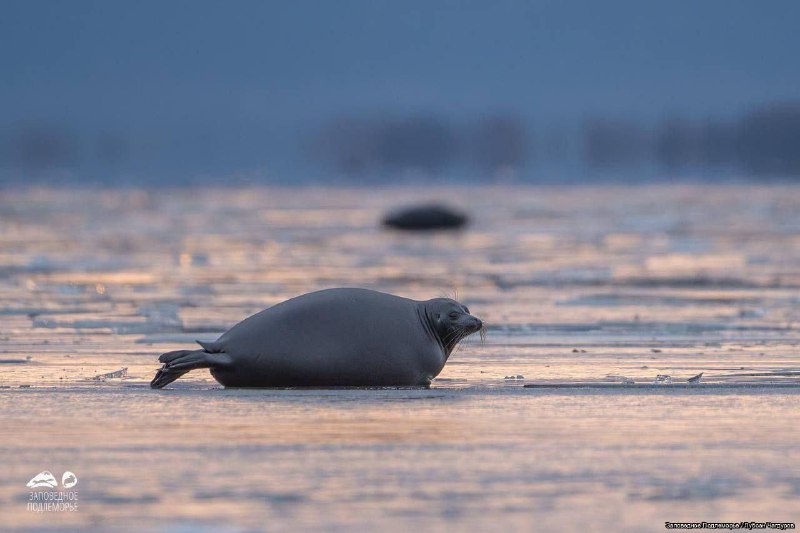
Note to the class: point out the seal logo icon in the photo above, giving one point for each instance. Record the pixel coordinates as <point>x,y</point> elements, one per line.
<point>69,480</point>
<point>43,479</point>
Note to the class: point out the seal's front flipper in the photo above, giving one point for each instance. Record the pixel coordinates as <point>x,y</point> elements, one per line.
<point>180,362</point>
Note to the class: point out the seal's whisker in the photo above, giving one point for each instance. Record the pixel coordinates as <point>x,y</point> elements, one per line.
<point>450,336</point>
<point>454,337</point>
<point>468,338</point>
<point>457,345</point>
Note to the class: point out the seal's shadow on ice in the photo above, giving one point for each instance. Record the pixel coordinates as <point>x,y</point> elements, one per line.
<point>332,338</point>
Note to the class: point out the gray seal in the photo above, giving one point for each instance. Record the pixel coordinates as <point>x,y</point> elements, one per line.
<point>426,218</point>
<point>332,338</point>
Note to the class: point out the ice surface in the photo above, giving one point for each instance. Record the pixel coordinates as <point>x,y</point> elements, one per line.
<point>589,286</point>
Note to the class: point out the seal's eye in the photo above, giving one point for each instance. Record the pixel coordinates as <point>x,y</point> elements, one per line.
<point>466,309</point>
<point>453,315</point>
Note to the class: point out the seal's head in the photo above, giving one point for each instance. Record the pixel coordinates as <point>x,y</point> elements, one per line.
<point>450,321</point>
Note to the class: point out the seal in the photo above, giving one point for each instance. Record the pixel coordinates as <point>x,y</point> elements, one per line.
<point>332,338</point>
<point>425,218</point>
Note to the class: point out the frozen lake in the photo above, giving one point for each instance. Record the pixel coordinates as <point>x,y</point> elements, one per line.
<point>577,285</point>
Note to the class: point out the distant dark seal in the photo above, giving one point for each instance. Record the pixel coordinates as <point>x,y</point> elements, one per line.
<point>425,217</point>
<point>330,338</point>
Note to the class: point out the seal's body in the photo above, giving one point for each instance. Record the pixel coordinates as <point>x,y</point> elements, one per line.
<point>334,337</point>
<point>425,218</point>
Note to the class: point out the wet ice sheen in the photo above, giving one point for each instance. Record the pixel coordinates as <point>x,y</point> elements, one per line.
<point>592,286</point>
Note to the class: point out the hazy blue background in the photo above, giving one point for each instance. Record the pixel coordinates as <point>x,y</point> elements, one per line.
<point>296,91</point>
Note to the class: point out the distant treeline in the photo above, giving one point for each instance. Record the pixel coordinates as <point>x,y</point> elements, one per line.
<point>422,142</point>
<point>762,142</point>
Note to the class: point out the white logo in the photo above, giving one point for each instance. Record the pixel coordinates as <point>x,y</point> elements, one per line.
<point>51,499</point>
<point>44,479</point>
<point>69,480</point>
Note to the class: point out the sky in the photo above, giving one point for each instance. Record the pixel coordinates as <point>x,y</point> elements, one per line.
<point>245,80</point>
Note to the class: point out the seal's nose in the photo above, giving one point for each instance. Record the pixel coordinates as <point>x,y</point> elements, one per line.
<point>478,323</point>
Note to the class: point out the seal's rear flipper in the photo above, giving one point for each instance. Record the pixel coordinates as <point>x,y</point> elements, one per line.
<point>180,362</point>
<point>210,346</point>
